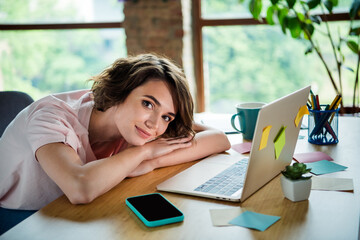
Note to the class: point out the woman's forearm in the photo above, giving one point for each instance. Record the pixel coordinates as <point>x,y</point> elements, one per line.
<point>204,144</point>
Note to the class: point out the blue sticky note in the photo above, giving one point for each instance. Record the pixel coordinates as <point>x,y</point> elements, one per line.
<point>254,220</point>
<point>324,166</point>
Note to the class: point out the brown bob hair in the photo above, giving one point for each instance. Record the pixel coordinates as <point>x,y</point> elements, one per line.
<point>115,83</point>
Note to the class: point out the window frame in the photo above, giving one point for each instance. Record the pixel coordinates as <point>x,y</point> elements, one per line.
<point>60,26</point>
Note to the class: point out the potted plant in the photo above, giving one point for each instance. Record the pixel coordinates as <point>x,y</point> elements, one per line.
<point>295,186</point>
<point>302,19</point>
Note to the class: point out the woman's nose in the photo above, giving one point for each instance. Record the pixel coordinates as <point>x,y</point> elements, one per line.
<point>153,121</point>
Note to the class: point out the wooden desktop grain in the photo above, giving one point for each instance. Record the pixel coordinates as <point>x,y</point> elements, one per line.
<point>326,215</point>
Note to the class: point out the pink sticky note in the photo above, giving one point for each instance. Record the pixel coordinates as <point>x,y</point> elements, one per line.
<point>242,147</point>
<point>311,157</point>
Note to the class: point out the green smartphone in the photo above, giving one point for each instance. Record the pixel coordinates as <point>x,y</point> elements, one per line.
<point>154,209</point>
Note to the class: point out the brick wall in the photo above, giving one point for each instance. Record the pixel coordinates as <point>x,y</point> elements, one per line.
<point>162,27</point>
<point>154,26</point>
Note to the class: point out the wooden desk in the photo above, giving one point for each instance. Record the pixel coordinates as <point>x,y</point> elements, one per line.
<point>326,215</point>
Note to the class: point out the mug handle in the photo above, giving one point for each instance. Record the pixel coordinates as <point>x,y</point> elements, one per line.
<point>233,123</point>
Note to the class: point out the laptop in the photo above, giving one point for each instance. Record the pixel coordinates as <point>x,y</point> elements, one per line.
<point>233,177</point>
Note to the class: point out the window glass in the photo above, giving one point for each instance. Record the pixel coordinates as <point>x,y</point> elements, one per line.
<point>40,62</point>
<point>223,9</point>
<point>60,11</point>
<point>233,9</point>
<point>260,63</point>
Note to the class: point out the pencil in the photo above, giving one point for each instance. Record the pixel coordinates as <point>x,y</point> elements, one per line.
<point>336,107</point>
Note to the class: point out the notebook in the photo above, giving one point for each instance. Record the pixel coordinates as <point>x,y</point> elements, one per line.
<point>232,177</point>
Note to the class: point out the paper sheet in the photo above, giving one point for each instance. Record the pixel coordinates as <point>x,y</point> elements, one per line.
<point>254,220</point>
<point>222,217</point>
<point>279,142</point>
<point>302,111</point>
<point>242,148</point>
<point>264,137</point>
<point>311,157</point>
<point>324,166</point>
<point>332,184</point>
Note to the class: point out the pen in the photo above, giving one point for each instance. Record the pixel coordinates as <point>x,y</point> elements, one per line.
<point>321,123</point>
<point>315,107</point>
<point>334,102</point>
<point>322,120</point>
<point>309,102</point>
<point>330,130</point>
<point>317,102</point>
<point>312,102</point>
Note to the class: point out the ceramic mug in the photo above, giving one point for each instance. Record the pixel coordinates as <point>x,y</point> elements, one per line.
<point>247,114</point>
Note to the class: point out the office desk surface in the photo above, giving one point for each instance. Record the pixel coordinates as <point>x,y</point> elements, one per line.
<point>326,215</point>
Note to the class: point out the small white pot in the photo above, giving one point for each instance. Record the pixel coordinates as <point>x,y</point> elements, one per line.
<point>295,190</point>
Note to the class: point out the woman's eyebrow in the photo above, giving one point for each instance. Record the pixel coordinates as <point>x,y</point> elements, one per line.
<point>154,99</point>
<point>158,103</point>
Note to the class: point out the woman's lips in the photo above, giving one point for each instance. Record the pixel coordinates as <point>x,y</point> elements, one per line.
<point>144,134</point>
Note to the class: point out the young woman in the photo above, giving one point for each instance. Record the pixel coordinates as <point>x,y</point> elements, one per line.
<point>137,117</point>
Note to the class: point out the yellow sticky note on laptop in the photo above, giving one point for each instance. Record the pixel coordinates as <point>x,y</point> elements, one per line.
<point>279,142</point>
<point>302,111</point>
<point>264,137</point>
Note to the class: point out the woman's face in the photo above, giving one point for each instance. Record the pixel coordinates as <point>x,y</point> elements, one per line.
<point>146,112</point>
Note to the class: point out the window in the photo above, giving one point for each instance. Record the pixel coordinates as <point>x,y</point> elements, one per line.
<point>55,46</point>
<point>245,60</point>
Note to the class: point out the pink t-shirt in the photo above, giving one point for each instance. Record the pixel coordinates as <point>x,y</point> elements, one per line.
<point>60,117</point>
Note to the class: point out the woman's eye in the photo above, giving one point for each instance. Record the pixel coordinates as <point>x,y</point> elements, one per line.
<point>167,118</point>
<point>147,104</point>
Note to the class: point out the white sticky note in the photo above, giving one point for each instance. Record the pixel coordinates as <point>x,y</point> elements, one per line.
<point>332,184</point>
<point>222,217</point>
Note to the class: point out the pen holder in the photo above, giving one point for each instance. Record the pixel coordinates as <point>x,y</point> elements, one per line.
<point>323,126</point>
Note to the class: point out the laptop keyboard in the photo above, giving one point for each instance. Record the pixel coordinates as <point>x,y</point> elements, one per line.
<point>228,181</point>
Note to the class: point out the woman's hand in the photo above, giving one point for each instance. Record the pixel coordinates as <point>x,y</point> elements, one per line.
<point>163,146</point>
<point>157,148</point>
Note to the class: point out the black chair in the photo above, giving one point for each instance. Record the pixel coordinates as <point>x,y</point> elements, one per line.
<point>11,103</point>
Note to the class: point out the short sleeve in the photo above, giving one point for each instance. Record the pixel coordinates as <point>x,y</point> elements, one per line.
<point>50,125</point>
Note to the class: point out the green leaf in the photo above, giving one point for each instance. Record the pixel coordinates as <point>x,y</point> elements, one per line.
<point>308,21</point>
<point>329,6</point>
<point>334,2</point>
<point>354,31</point>
<point>283,24</point>
<point>294,26</point>
<point>255,8</point>
<point>291,3</point>
<point>354,9</point>
<point>274,2</point>
<point>282,14</point>
<point>301,16</point>
<point>296,171</point>
<point>353,46</point>
<point>313,3</point>
<point>270,14</point>
<point>308,30</point>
